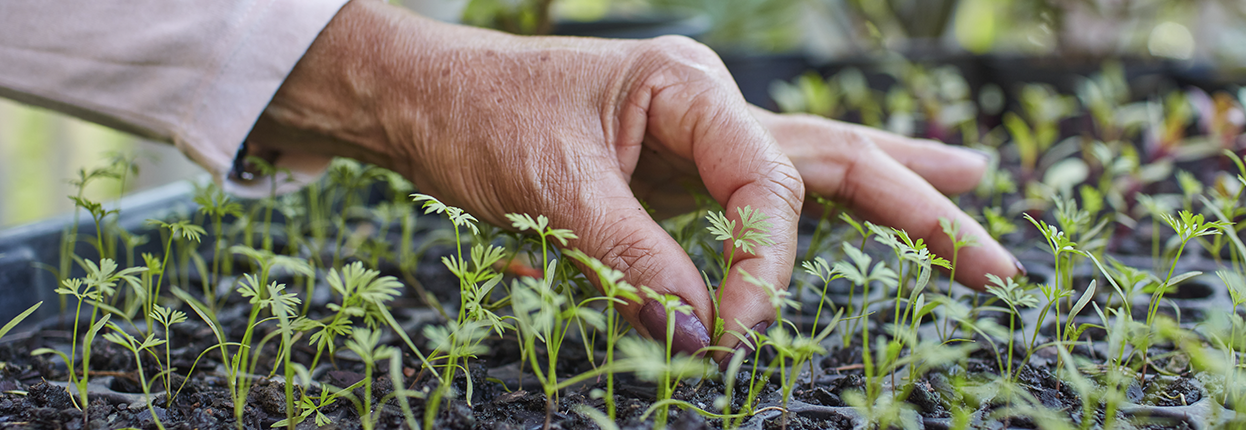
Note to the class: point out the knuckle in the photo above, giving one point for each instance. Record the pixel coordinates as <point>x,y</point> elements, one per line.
<point>626,252</point>
<point>786,184</point>
<point>859,143</point>
<point>857,148</point>
<point>682,45</point>
<point>682,57</point>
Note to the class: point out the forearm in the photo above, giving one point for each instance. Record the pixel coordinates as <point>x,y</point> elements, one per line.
<point>404,92</point>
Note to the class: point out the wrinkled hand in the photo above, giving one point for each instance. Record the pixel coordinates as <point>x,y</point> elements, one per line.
<point>576,129</point>
<point>895,181</point>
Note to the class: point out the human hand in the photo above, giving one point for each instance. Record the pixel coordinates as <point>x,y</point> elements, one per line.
<point>895,181</point>
<point>883,177</point>
<point>564,127</point>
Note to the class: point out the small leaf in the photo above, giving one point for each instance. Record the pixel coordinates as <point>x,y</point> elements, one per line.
<point>721,227</point>
<point>1178,279</point>
<point>18,319</point>
<point>1086,297</point>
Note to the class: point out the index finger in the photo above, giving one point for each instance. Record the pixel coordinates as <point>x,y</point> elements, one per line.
<point>703,117</point>
<point>884,191</point>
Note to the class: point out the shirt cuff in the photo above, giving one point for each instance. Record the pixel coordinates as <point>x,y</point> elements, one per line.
<point>272,38</point>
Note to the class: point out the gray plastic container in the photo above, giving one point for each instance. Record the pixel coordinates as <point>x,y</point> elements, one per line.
<point>27,252</point>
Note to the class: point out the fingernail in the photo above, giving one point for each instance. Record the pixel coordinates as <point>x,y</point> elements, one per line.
<point>746,348</point>
<point>238,171</point>
<point>1020,268</point>
<point>978,152</point>
<point>243,168</point>
<point>690,335</point>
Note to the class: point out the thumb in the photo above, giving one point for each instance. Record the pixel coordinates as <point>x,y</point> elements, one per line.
<point>617,230</point>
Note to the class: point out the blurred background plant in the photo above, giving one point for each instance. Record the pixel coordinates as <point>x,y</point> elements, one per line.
<point>1177,29</point>
<point>40,148</point>
<point>1205,37</point>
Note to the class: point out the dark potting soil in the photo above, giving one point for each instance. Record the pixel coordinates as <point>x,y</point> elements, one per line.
<point>1171,392</point>
<point>205,401</point>
<point>500,399</point>
<point>806,422</point>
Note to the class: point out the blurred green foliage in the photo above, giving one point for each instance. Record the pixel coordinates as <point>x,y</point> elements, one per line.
<point>1161,28</point>
<point>750,25</point>
<point>38,149</point>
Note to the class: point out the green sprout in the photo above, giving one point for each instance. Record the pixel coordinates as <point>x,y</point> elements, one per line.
<point>542,313</point>
<point>167,317</point>
<point>1015,297</point>
<point>951,228</point>
<point>120,337</point>
<point>615,291</point>
<point>217,205</point>
<point>671,304</point>
<point>650,361</point>
<point>754,231</point>
<point>1188,227</point>
<point>185,231</point>
<point>366,343</point>
<point>18,319</point>
<point>99,285</point>
<point>857,269</point>
<point>793,349</point>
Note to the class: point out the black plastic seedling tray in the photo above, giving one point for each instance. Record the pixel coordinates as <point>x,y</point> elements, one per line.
<point>30,252</point>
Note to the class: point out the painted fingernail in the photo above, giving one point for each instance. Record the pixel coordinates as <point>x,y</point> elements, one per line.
<point>1020,268</point>
<point>690,335</point>
<point>746,348</point>
<point>238,171</point>
<point>244,168</point>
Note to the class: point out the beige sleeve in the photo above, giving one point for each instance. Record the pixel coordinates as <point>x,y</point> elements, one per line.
<point>192,72</point>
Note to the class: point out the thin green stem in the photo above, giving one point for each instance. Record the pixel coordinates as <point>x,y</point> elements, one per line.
<point>146,389</point>
<point>611,338</point>
<point>155,292</point>
<point>664,386</point>
<point>73,351</point>
<point>368,421</point>
<point>1159,292</point>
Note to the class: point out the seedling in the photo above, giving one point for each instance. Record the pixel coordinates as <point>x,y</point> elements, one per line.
<point>1015,297</point>
<point>185,231</point>
<point>754,231</point>
<point>283,306</point>
<point>97,211</point>
<point>363,294</point>
<point>671,304</point>
<point>541,313</point>
<point>99,285</point>
<point>455,344</point>
<point>614,291</point>
<point>795,349</point>
<point>214,203</point>
<point>653,362</point>
<point>1060,246</point>
<point>366,343</point>
<point>1237,293</point>
<point>819,267</point>
<point>857,269</point>
<point>166,317</point>
<point>120,337</point>
<point>1188,227</point>
<point>951,228</point>
<point>910,253</point>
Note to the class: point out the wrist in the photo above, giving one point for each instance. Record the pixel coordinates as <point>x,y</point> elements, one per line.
<point>329,103</point>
